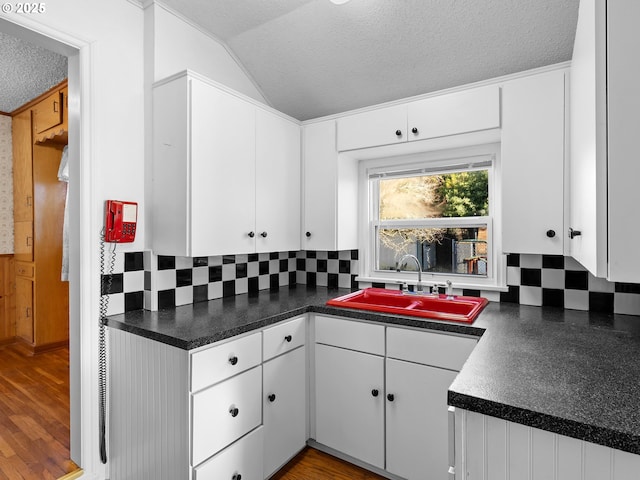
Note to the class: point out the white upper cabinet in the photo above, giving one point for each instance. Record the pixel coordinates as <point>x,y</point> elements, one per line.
<point>604,125</point>
<point>461,112</point>
<point>382,126</point>
<point>277,183</point>
<point>533,146</point>
<point>330,192</point>
<point>438,116</point>
<point>225,171</point>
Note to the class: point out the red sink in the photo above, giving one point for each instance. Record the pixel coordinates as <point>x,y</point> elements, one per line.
<point>455,309</point>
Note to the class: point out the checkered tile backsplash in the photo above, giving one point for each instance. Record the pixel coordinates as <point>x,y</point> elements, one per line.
<point>144,280</point>
<point>562,282</point>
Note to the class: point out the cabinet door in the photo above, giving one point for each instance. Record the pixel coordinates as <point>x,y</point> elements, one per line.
<point>350,403</point>
<point>588,147</point>
<point>277,183</point>
<point>48,113</point>
<point>533,125</point>
<point>382,126</point>
<point>623,104</point>
<point>223,172</point>
<point>417,421</point>
<point>24,309</point>
<point>454,113</point>
<point>22,167</point>
<point>320,186</point>
<point>330,192</point>
<point>284,407</point>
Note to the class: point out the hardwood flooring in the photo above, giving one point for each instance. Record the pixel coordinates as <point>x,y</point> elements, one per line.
<point>311,464</point>
<point>34,415</point>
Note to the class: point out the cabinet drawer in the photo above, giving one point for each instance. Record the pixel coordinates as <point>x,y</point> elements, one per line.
<point>243,458</point>
<point>225,412</point>
<point>24,269</point>
<point>223,361</point>
<point>48,113</point>
<point>435,349</point>
<point>350,334</point>
<point>284,337</point>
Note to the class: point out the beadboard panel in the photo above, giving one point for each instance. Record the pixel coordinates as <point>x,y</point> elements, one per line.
<point>493,449</point>
<point>147,381</point>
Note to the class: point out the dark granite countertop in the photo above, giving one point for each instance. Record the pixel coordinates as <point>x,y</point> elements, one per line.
<point>569,372</point>
<point>565,371</point>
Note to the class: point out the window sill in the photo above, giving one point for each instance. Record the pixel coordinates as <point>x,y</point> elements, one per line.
<point>456,286</point>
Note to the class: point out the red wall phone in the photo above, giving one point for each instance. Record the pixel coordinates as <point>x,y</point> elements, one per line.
<point>120,221</point>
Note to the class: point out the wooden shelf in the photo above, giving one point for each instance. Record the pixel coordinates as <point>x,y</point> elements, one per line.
<point>54,136</point>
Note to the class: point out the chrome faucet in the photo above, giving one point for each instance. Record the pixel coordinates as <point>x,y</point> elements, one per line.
<point>415,259</point>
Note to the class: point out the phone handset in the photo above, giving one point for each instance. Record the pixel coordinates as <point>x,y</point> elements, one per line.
<point>120,221</point>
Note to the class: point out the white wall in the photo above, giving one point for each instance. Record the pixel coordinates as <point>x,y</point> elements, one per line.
<point>6,187</point>
<point>115,103</point>
<point>179,45</point>
<point>104,41</point>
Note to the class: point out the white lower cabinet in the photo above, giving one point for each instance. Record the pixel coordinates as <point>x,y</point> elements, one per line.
<point>386,407</point>
<point>284,408</point>
<point>489,448</point>
<point>240,461</point>
<point>240,409</point>
<point>416,420</point>
<point>350,403</point>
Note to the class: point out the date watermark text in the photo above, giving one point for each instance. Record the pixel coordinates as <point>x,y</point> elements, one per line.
<point>27,8</point>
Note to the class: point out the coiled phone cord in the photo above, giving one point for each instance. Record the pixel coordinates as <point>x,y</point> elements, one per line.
<point>105,288</point>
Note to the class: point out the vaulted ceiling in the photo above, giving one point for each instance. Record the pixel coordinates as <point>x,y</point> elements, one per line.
<point>312,58</point>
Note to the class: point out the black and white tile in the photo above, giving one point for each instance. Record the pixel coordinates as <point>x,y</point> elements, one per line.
<point>176,281</point>
<point>554,280</point>
<point>328,269</point>
<point>143,280</point>
<point>126,285</point>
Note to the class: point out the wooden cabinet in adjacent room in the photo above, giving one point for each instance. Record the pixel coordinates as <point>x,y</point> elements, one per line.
<point>7,300</point>
<point>41,298</point>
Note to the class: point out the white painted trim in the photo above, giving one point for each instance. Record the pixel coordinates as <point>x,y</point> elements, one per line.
<point>457,149</point>
<point>85,234</point>
<point>460,88</point>
<point>216,39</point>
<point>137,3</point>
<point>224,88</point>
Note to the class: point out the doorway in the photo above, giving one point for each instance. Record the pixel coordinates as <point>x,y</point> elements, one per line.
<point>50,365</point>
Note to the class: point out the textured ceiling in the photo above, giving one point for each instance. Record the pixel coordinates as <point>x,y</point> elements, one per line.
<point>26,71</point>
<point>313,58</point>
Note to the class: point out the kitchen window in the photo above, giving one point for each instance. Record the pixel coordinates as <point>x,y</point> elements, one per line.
<point>439,207</point>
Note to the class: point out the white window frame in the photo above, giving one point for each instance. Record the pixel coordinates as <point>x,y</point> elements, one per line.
<point>445,161</point>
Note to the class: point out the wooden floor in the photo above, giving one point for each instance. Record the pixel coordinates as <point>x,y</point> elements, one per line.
<point>311,464</point>
<point>34,415</point>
